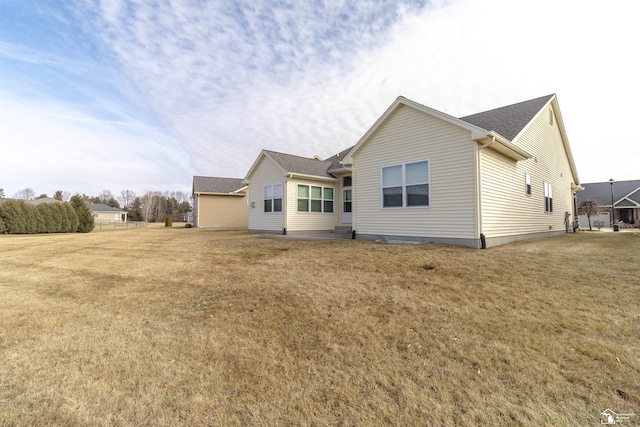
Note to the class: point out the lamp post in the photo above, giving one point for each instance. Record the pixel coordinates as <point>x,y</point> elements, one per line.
<point>613,212</point>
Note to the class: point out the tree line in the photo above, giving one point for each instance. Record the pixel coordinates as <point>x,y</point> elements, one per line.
<point>20,217</point>
<point>152,206</point>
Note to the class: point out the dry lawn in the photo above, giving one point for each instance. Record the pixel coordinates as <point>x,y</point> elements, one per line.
<point>175,326</point>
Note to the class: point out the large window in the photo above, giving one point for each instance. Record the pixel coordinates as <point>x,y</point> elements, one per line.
<point>315,199</point>
<point>273,198</point>
<point>405,185</point>
<point>548,197</point>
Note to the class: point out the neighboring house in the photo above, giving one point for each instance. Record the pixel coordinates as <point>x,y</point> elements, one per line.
<point>219,202</point>
<point>626,201</point>
<point>43,200</point>
<point>422,175</point>
<point>35,201</point>
<point>106,213</point>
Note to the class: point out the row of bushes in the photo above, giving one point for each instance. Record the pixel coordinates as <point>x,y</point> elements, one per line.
<point>20,217</point>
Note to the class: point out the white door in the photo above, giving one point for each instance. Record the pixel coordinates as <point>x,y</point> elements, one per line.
<point>347,200</point>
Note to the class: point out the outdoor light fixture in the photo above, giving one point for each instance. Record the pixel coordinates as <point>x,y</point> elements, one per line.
<point>613,213</point>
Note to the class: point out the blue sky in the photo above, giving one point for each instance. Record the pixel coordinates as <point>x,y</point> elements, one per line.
<point>145,94</point>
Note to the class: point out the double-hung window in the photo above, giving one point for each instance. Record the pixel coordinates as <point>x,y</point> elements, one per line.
<point>548,197</point>
<point>313,198</point>
<point>273,198</point>
<point>405,185</point>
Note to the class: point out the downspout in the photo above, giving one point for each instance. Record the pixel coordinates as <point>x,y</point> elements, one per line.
<point>196,199</point>
<point>483,240</point>
<point>285,202</point>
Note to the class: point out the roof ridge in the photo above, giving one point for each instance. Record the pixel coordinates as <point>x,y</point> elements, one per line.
<point>547,97</point>
<point>295,155</point>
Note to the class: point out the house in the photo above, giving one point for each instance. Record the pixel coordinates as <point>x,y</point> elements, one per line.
<point>422,175</point>
<point>106,213</point>
<point>42,200</point>
<point>219,202</point>
<point>626,201</point>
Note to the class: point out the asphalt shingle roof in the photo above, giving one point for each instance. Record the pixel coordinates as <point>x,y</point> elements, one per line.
<point>601,191</point>
<point>209,184</point>
<point>508,121</point>
<point>99,207</point>
<point>301,165</point>
<point>336,159</point>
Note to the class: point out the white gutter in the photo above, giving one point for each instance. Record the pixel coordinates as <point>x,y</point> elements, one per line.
<point>317,178</point>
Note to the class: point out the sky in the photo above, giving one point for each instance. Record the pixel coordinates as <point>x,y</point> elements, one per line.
<point>145,94</point>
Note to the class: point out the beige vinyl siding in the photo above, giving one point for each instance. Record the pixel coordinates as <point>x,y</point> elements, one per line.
<point>506,209</point>
<point>218,211</point>
<point>409,135</point>
<point>311,221</point>
<point>265,173</point>
<point>107,216</point>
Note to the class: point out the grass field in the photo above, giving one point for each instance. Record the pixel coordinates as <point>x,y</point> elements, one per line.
<point>194,327</point>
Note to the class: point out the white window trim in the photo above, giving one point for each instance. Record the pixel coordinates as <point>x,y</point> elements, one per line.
<point>272,211</point>
<point>404,185</point>
<point>549,195</point>
<point>322,199</point>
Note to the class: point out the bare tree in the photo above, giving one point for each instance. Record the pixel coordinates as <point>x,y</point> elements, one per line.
<point>58,195</point>
<point>126,198</point>
<point>105,196</point>
<point>1,193</point>
<point>26,194</point>
<point>589,208</point>
<point>66,196</point>
<point>146,204</point>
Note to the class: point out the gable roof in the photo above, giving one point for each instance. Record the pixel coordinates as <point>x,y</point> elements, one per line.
<point>43,200</point>
<point>498,141</point>
<point>301,165</point>
<point>99,207</point>
<point>601,192</point>
<point>336,160</point>
<point>296,165</point>
<point>217,185</point>
<point>509,120</point>
<point>497,128</point>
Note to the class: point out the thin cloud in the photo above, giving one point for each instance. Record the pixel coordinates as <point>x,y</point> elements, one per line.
<point>198,88</point>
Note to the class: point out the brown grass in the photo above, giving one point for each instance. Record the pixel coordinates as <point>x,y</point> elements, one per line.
<point>193,327</point>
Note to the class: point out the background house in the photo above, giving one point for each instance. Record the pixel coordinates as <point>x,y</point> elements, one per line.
<point>106,213</point>
<point>626,201</point>
<point>219,202</point>
<point>423,175</point>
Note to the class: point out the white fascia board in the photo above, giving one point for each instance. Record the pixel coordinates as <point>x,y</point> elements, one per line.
<point>565,139</point>
<point>205,193</point>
